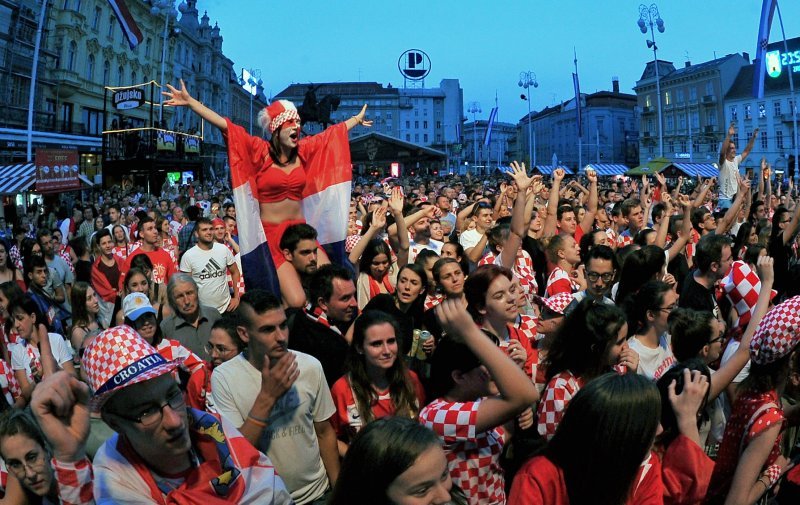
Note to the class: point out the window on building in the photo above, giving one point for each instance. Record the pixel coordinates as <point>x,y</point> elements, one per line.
<point>425,138</point>
<point>148,47</point>
<point>668,98</point>
<point>779,139</point>
<point>416,112</point>
<point>90,68</point>
<point>438,124</point>
<point>408,137</point>
<point>72,51</point>
<point>425,124</point>
<point>389,115</point>
<point>50,111</point>
<point>92,121</point>
<point>747,111</point>
<point>120,76</point>
<point>647,101</point>
<point>65,5</point>
<point>106,72</point>
<point>776,108</point>
<point>679,96</point>
<point>734,112</point>
<point>649,125</point>
<point>682,121</point>
<point>416,124</point>
<point>695,146</point>
<point>408,125</point>
<point>133,77</point>
<point>425,112</point>
<point>764,143</point>
<point>96,19</point>
<point>695,119</point>
<point>416,137</point>
<point>711,118</point>
<point>692,93</point>
<point>735,138</point>
<point>762,110</point>
<point>710,88</point>
<point>111,21</point>
<point>747,133</point>
<point>671,146</point>
<point>438,138</point>
<point>670,123</point>
<point>65,116</point>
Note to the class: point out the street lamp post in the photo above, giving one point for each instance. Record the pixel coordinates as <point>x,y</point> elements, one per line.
<point>526,80</point>
<point>649,16</point>
<point>474,108</point>
<point>167,7</point>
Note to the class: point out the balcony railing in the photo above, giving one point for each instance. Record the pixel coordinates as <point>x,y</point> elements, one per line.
<point>709,99</point>
<point>150,143</point>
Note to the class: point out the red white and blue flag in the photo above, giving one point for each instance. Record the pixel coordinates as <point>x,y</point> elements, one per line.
<point>126,22</point>
<point>767,11</point>
<point>326,197</point>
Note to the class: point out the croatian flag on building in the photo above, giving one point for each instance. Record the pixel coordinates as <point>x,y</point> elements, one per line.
<point>126,21</point>
<point>326,197</point>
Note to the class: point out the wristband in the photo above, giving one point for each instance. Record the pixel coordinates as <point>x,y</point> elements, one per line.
<point>256,421</point>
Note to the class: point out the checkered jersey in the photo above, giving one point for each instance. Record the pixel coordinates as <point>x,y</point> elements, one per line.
<point>64,254</point>
<point>559,281</point>
<point>473,458</point>
<point>74,481</point>
<point>433,300</point>
<point>612,236</point>
<point>8,384</point>
<point>522,269</point>
<point>557,395</point>
<point>742,286</point>
<point>624,239</point>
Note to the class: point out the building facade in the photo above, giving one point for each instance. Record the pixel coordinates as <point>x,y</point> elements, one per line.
<point>609,129</point>
<point>773,115</point>
<point>84,52</point>
<point>482,158</point>
<point>692,108</point>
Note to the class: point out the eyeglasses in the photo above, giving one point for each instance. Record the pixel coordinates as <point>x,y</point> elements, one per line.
<point>669,308</point>
<point>718,339</point>
<point>221,349</point>
<point>33,461</point>
<point>594,276</point>
<point>153,414</point>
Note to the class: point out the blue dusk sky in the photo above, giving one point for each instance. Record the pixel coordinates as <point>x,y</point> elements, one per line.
<point>484,44</point>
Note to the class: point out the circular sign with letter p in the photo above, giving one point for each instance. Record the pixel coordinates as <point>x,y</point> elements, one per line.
<point>414,64</point>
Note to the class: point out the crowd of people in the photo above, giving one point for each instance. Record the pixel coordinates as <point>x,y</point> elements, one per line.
<point>517,339</point>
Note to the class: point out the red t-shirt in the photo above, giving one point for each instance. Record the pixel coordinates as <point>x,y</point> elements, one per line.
<point>163,265</point>
<point>347,420</point>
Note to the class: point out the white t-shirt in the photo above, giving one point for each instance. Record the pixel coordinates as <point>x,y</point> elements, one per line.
<point>209,270</point>
<point>729,177</point>
<point>414,248</point>
<point>469,238</point>
<point>653,362</point>
<point>289,440</point>
<point>23,354</point>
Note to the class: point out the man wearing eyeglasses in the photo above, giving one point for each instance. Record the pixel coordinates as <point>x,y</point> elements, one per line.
<point>163,452</point>
<point>600,271</point>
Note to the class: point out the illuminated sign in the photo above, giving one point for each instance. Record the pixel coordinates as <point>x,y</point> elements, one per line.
<point>395,169</point>
<point>127,98</point>
<point>414,64</point>
<point>775,61</point>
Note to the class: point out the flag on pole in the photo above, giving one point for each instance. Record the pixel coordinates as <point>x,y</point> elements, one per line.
<point>126,22</point>
<point>487,138</point>
<point>577,87</point>
<point>767,11</point>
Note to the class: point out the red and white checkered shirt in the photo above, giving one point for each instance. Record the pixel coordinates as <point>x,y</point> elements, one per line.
<point>557,395</point>
<point>74,482</point>
<point>473,458</point>
<point>8,383</point>
<point>612,236</point>
<point>523,270</point>
<point>624,239</point>
<point>559,281</point>
<point>64,254</point>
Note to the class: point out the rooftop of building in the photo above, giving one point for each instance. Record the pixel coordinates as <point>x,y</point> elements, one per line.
<point>687,70</point>
<point>596,99</point>
<point>338,88</point>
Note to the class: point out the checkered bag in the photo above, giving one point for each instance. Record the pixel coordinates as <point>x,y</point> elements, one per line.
<point>778,334</point>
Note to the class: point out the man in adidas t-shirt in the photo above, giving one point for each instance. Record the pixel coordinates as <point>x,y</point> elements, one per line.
<point>208,263</point>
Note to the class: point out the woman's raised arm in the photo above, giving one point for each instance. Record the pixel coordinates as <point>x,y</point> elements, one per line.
<point>182,98</point>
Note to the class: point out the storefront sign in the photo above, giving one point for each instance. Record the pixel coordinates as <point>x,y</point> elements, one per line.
<point>127,98</point>
<point>56,170</point>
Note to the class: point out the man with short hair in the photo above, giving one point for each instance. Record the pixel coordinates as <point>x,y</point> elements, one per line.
<point>186,237</point>
<point>601,265</point>
<point>162,451</point>
<point>444,205</point>
<point>419,225</point>
<point>115,218</point>
<point>713,258</point>
<point>163,264</point>
<point>474,241</point>
<point>299,247</point>
<point>729,162</point>
<point>633,212</point>
<point>36,280</point>
<point>61,276</point>
<point>319,331</point>
<point>208,262</point>
<point>279,400</point>
<point>191,322</point>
